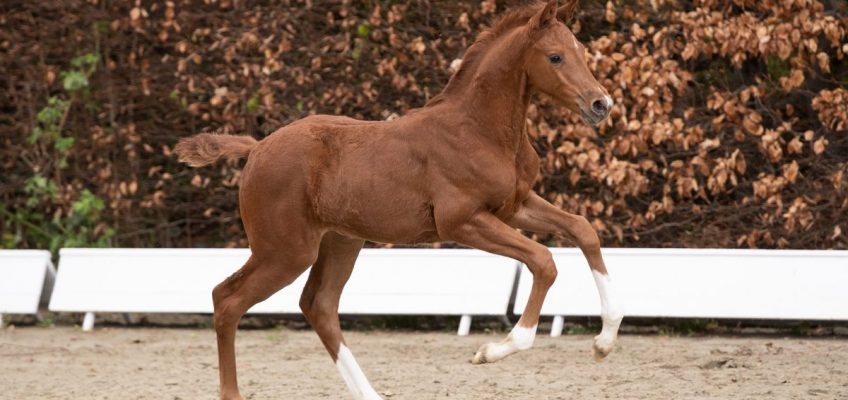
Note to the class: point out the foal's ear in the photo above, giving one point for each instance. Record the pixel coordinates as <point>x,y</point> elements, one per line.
<point>546,17</point>
<point>566,11</point>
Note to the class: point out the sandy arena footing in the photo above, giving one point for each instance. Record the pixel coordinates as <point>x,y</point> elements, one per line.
<point>162,363</point>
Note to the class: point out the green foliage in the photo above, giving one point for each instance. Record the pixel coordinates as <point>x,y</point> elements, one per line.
<point>578,330</point>
<point>253,103</point>
<point>86,63</point>
<point>63,143</point>
<point>77,78</point>
<point>48,120</point>
<point>363,30</point>
<point>74,80</point>
<point>39,189</point>
<point>79,227</point>
<point>51,118</point>
<point>47,220</point>
<point>101,27</point>
<point>777,68</point>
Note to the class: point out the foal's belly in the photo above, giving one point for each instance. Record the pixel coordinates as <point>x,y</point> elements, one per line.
<point>378,196</point>
<point>379,213</point>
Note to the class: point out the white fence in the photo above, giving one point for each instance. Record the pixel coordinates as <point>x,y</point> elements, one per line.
<point>384,281</point>
<point>687,283</point>
<point>702,283</point>
<point>26,278</point>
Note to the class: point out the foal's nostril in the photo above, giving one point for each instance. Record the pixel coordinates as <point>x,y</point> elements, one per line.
<point>600,107</point>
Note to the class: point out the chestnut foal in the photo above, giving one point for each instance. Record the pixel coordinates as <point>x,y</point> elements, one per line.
<point>459,169</point>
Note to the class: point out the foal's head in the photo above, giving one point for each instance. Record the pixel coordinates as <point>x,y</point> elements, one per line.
<point>555,63</point>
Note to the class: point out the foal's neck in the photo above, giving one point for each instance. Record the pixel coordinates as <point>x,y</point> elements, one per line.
<point>494,91</point>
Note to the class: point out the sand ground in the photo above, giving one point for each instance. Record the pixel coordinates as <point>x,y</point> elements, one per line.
<point>166,363</point>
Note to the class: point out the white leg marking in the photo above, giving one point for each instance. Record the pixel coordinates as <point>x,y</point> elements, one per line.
<point>520,338</point>
<point>353,376</point>
<point>611,316</point>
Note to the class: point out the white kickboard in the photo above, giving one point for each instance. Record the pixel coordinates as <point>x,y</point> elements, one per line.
<point>702,283</point>
<point>26,276</point>
<point>384,281</point>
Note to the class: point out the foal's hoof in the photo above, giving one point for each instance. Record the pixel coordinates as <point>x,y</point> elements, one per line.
<point>601,347</point>
<point>480,356</point>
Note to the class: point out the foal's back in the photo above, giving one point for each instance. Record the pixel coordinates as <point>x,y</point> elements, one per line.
<point>361,178</point>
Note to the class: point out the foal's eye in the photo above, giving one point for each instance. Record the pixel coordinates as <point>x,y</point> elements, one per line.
<point>554,58</point>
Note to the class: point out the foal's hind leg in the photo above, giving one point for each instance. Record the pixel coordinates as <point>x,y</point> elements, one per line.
<point>538,215</point>
<point>258,279</point>
<point>320,305</point>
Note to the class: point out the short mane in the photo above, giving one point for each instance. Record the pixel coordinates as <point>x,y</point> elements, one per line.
<point>509,20</point>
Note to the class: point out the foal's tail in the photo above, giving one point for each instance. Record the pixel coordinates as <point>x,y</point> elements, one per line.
<point>206,148</point>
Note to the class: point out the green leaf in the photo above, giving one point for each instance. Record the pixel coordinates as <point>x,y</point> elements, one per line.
<point>363,30</point>
<point>9,240</point>
<point>85,60</point>
<point>64,143</point>
<point>74,80</point>
<point>36,134</point>
<point>52,113</point>
<point>253,103</point>
<point>101,27</point>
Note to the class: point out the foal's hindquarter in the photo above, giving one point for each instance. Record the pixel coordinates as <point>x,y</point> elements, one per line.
<point>313,191</point>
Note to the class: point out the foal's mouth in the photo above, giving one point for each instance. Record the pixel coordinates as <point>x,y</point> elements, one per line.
<point>592,118</point>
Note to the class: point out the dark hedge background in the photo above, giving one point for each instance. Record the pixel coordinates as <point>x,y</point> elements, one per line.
<point>729,128</point>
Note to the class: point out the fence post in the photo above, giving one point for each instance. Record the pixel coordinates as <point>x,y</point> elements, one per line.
<point>464,325</point>
<point>556,326</point>
<point>88,322</point>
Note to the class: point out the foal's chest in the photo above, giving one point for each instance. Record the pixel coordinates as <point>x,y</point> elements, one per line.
<point>525,172</point>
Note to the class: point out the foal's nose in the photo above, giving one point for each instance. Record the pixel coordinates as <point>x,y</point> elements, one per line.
<point>602,106</point>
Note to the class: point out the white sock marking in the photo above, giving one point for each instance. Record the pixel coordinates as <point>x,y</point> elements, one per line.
<point>611,314</point>
<point>520,338</point>
<point>523,337</point>
<point>353,376</point>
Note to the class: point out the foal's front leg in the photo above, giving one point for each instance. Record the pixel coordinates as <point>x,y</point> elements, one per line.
<point>538,215</point>
<point>486,232</point>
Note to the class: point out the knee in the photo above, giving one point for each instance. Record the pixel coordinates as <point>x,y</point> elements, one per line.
<point>314,307</point>
<point>225,289</point>
<point>305,304</point>
<point>219,293</point>
<point>227,314</point>
<point>227,307</point>
<point>587,239</point>
<point>545,271</point>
